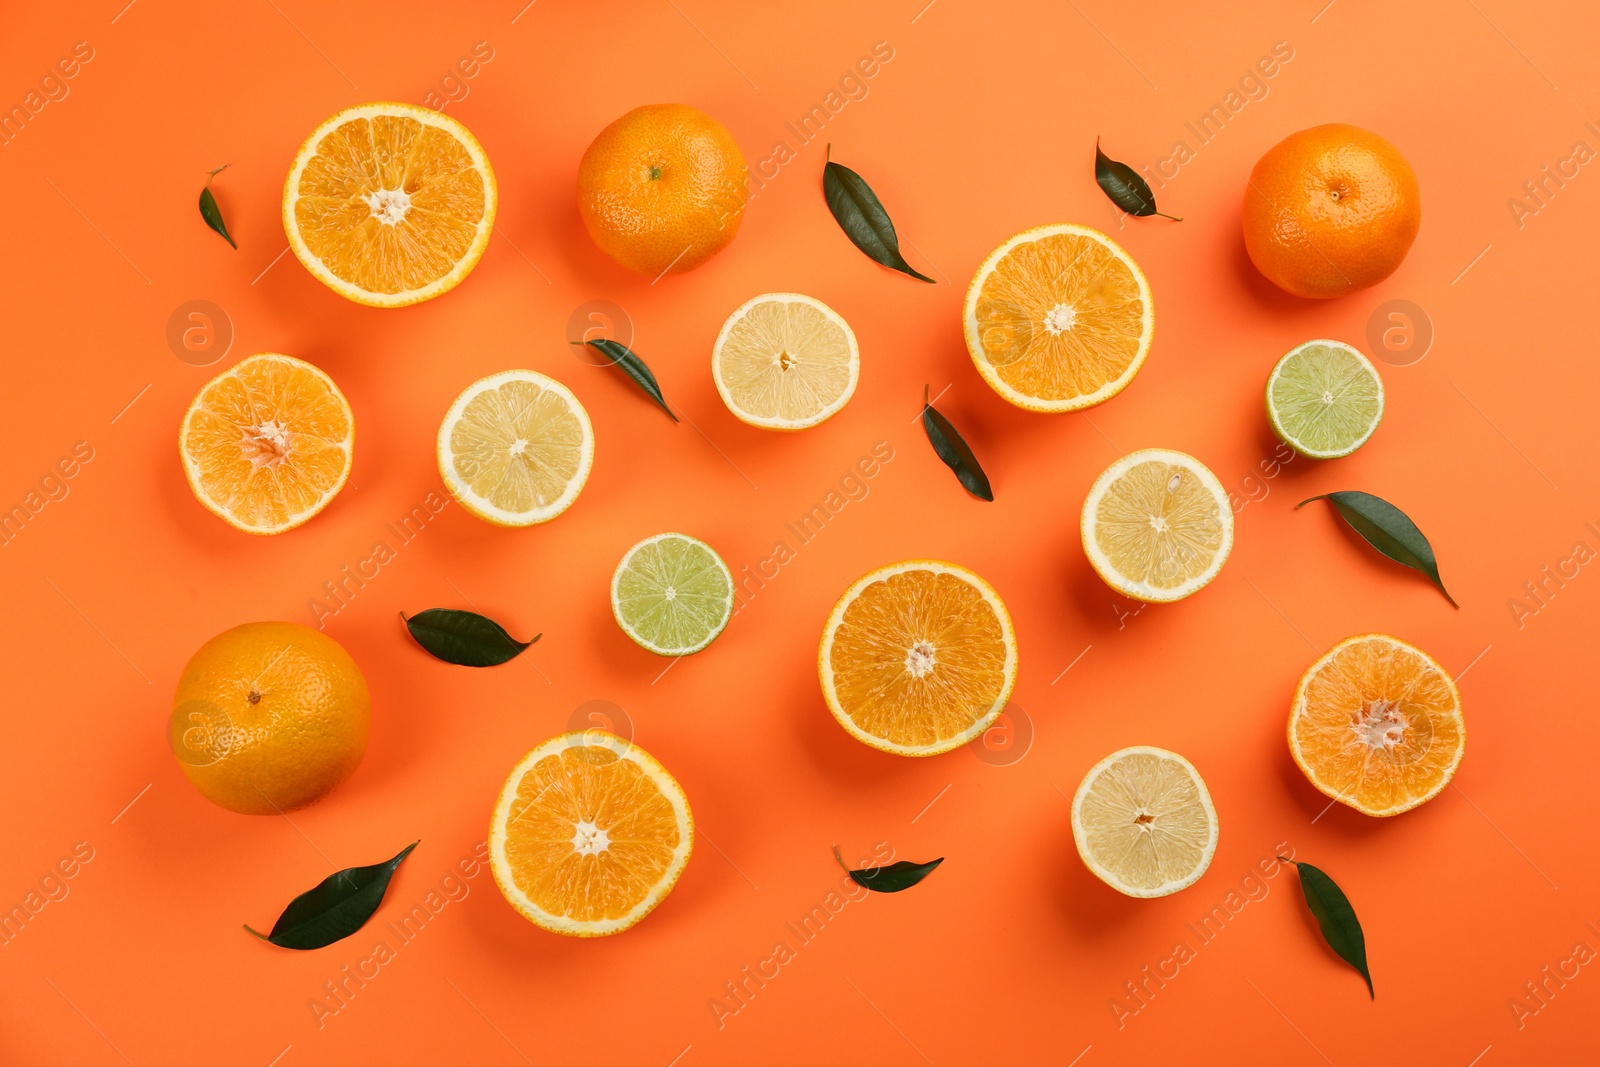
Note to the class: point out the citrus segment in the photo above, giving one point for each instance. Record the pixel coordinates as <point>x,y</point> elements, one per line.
<point>1143,822</point>
<point>1058,318</point>
<point>389,204</point>
<point>269,717</point>
<point>1376,725</point>
<point>266,444</point>
<point>1157,525</point>
<point>785,362</point>
<point>918,658</point>
<point>672,594</point>
<point>516,448</point>
<point>589,834</point>
<point>1324,399</point>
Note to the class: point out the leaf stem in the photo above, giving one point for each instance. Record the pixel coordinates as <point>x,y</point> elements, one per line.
<point>842,863</point>
<point>263,937</point>
<point>1164,215</point>
<point>213,173</point>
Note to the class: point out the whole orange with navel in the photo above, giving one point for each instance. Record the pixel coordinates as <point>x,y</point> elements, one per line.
<point>1330,210</point>
<point>269,717</point>
<point>662,189</point>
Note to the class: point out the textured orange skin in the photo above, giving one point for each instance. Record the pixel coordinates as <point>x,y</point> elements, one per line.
<point>1330,210</point>
<point>684,215</point>
<point>302,737</point>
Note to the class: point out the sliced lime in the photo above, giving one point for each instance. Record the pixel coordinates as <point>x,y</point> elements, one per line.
<point>1324,399</point>
<point>672,594</point>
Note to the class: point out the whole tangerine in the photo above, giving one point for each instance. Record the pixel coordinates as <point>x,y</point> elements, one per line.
<point>269,717</point>
<point>1330,210</point>
<point>663,188</point>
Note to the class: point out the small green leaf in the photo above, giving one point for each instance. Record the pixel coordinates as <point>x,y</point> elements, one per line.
<point>633,367</point>
<point>464,637</point>
<point>211,213</point>
<point>894,878</point>
<point>1125,187</point>
<point>1340,927</point>
<point>1387,529</point>
<point>335,908</point>
<point>949,445</point>
<point>857,209</point>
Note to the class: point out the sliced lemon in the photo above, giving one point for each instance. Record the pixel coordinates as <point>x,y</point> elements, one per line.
<point>267,443</point>
<point>1143,822</point>
<point>1157,525</point>
<point>589,834</point>
<point>389,204</point>
<point>785,362</point>
<point>515,448</point>
<point>1376,724</point>
<point>1324,399</point>
<point>672,594</point>
<point>1058,318</point>
<point>918,658</point>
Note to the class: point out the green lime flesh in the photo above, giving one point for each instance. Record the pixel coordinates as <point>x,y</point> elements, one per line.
<point>672,594</point>
<point>1324,399</point>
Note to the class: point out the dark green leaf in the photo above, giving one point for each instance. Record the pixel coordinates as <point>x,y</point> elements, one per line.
<point>335,908</point>
<point>211,213</point>
<point>856,208</point>
<point>1387,529</point>
<point>464,637</point>
<point>633,367</point>
<point>1124,186</point>
<point>950,447</point>
<point>1340,927</point>
<point>894,878</point>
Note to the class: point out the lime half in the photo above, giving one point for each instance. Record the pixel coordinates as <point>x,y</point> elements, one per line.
<point>1324,399</point>
<point>672,594</point>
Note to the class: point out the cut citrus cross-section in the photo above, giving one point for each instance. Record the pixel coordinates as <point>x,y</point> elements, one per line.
<point>1376,724</point>
<point>672,594</point>
<point>389,204</point>
<point>1157,525</point>
<point>589,834</point>
<point>1144,823</point>
<point>1324,399</point>
<point>918,658</point>
<point>515,448</point>
<point>266,444</point>
<point>1059,318</point>
<point>785,362</point>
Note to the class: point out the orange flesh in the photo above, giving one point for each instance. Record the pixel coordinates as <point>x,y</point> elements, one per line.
<point>270,438</point>
<point>554,843</point>
<point>918,657</point>
<point>1060,317</point>
<point>389,204</point>
<point>1378,724</point>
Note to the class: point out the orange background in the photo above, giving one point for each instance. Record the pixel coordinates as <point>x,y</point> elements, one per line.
<point>982,124</point>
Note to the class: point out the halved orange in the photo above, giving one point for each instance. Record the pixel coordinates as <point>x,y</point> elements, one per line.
<point>589,834</point>
<point>389,204</point>
<point>1058,318</point>
<point>266,444</point>
<point>918,657</point>
<point>1376,724</point>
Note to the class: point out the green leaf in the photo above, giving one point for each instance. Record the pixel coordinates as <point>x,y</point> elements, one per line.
<point>335,908</point>
<point>1340,927</point>
<point>1387,529</point>
<point>211,213</point>
<point>862,218</point>
<point>464,637</point>
<point>633,367</point>
<point>949,445</point>
<point>894,878</point>
<point>1125,187</point>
